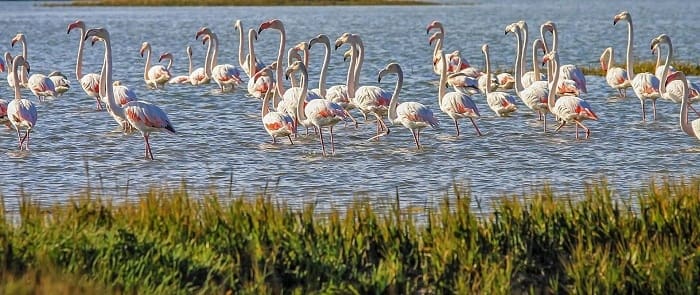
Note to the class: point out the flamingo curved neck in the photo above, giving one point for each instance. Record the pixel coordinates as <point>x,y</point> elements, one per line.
<point>280,54</point>
<point>611,59</point>
<point>667,64</point>
<point>215,53</point>
<point>360,60</point>
<point>554,65</point>
<point>393,117</point>
<point>519,54</point>
<point>442,88</point>
<point>15,82</point>
<point>685,125</point>
<point>301,116</point>
<point>79,61</point>
<point>189,59</point>
<point>488,72</point>
<point>106,77</point>
<point>628,57</point>
<point>170,64</point>
<point>241,60</point>
<point>523,30</point>
<point>251,53</point>
<point>265,104</point>
<point>350,80</point>
<point>438,45</point>
<point>292,79</point>
<point>544,40</point>
<point>535,68</point>
<point>324,69</point>
<point>207,59</point>
<point>148,63</point>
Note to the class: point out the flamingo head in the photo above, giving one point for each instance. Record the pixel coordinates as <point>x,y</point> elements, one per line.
<point>100,33</point>
<point>266,71</point>
<point>548,26</point>
<point>485,48</point>
<point>505,79</point>
<point>18,38</point>
<point>117,83</point>
<point>663,38</point>
<point>344,38</point>
<point>205,39</point>
<point>321,38</point>
<point>237,25</point>
<point>550,56</point>
<point>390,68</point>
<point>294,67</point>
<point>347,55</point>
<point>512,28</point>
<point>202,31</point>
<point>604,58</point>
<point>434,36</point>
<point>303,46</point>
<point>19,61</point>
<point>145,46</point>
<point>293,54</point>
<point>271,24</point>
<point>57,74</point>
<point>434,25</point>
<point>8,58</point>
<point>189,50</point>
<point>568,87</point>
<point>253,33</point>
<point>78,24</point>
<point>166,55</point>
<point>94,40</point>
<point>586,112</point>
<point>622,16</point>
<point>522,25</point>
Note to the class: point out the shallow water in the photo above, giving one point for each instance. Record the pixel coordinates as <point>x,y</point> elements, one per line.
<point>220,137</point>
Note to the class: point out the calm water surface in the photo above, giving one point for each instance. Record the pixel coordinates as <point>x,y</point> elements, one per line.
<point>220,135</point>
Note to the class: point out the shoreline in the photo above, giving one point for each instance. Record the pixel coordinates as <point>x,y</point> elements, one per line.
<point>184,3</point>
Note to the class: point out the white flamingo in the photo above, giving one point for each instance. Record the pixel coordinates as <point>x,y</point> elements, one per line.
<point>503,104</point>
<point>244,62</point>
<point>455,104</point>
<point>227,76</point>
<point>276,124</point>
<point>671,87</point>
<point>690,128</point>
<point>182,79</point>
<point>42,86</point>
<point>413,115</point>
<point>277,24</point>
<point>143,116</point>
<point>460,81</point>
<point>368,99</point>
<point>155,76</point>
<point>321,90</point>
<point>534,96</point>
<point>263,80</point>
<point>24,75</point>
<point>568,109</point>
<point>202,75</point>
<point>615,76</point>
<point>20,111</point>
<point>60,82</point>
<point>569,71</point>
<point>645,85</point>
<point>454,66</point>
<point>90,81</point>
<point>319,113</point>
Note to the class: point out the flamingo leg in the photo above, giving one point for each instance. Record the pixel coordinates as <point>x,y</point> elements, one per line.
<point>99,105</point>
<point>351,118</point>
<point>149,153</point>
<point>560,125</point>
<point>539,115</point>
<point>418,136</point>
<point>23,143</point>
<point>457,126</point>
<point>644,112</point>
<point>274,139</point>
<point>692,108</point>
<point>323,147</point>
<point>588,130</point>
<point>576,128</point>
<point>475,127</point>
<point>653,104</point>
<point>19,139</point>
<point>545,123</point>
<point>290,139</point>
<point>332,140</point>
<point>415,138</point>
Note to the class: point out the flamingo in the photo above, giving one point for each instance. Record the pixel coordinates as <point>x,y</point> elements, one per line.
<point>671,87</point>
<point>319,113</point>
<point>24,75</point>
<point>456,67</point>
<point>276,124</point>
<point>157,75</point>
<point>20,111</point>
<point>143,116</point>
<point>460,81</point>
<point>340,93</point>
<point>368,99</point>
<point>534,96</point>
<point>569,71</point>
<point>182,79</point>
<point>2,65</point>
<point>645,85</point>
<point>531,76</point>
<point>569,109</point>
<point>244,62</point>
<point>264,81</point>
<point>3,113</point>
<point>455,104</point>
<point>503,104</point>
<point>227,76</point>
<point>42,86</point>
<point>690,128</point>
<point>413,115</point>
<point>89,82</point>
<point>202,75</point>
<point>276,24</point>
<point>615,76</point>
<point>60,82</point>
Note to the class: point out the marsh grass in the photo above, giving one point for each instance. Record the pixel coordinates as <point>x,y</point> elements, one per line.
<point>172,241</point>
<point>242,2</point>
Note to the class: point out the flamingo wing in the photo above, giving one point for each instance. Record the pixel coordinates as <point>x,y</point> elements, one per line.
<point>146,117</point>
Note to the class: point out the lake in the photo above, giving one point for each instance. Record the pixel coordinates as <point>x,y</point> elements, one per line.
<point>221,140</point>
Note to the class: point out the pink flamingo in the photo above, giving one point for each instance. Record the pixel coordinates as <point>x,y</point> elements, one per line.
<point>276,124</point>
<point>60,82</point>
<point>3,113</point>
<point>263,81</point>
<point>503,104</point>
<point>276,24</point>
<point>182,79</point>
<point>143,116</point>
<point>21,111</point>
<point>645,85</point>
<point>157,75</point>
<point>24,75</point>
<point>227,76</point>
<point>690,128</point>
<point>202,75</point>
<point>569,71</point>
<point>413,115</point>
<point>321,91</point>
<point>244,62</point>
<point>671,87</point>
<point>568,109</point>
<point>615,76</point>
<point>89,82</point>
<point>460,81</point>
<point>319,113</point>
<point>456,105</point>
<point>454,66</point>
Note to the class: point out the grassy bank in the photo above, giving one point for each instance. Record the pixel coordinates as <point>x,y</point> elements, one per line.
<point>689,68</point>
<point>243,2</point>
<point>169,241</point>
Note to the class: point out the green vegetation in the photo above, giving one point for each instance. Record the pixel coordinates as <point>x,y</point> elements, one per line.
<point>243,2</point>
<point>172,242</point>
<point>689,68</point>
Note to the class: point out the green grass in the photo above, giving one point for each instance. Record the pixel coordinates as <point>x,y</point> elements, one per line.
<point>181,242</point>
<point>243,2</point>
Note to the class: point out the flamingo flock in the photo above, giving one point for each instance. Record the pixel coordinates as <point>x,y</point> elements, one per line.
<point>557,91</point>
